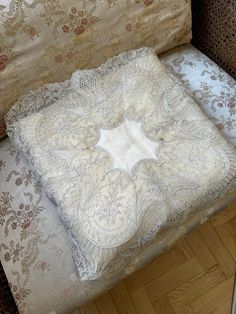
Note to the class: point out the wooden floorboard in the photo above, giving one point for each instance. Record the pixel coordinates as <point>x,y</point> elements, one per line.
<point>194,277</point>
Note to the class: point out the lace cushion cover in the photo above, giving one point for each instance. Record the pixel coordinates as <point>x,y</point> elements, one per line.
<point>122,151</point>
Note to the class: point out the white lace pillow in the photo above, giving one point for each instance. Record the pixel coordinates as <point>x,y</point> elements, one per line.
<point>124,153</point>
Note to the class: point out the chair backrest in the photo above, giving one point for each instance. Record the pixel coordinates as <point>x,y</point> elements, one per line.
<point>43,41</point>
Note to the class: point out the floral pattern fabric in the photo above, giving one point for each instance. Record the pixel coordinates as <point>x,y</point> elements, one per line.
<point>37,255</point>
<point>34,247</point>
<point>45,41</point>
<point>109,206</point>
<point>212,88</point>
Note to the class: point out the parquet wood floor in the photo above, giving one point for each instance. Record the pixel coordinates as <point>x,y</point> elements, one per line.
<point>195,276</point>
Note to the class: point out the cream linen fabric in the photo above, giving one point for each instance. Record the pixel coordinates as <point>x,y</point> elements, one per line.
<point>34,247</point>
<point>125,153</point>
<point>45,41</point>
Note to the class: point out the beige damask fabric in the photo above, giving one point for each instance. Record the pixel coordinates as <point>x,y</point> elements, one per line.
<point>213,89</point>
<point>123,154</point>
<point>44,41</point>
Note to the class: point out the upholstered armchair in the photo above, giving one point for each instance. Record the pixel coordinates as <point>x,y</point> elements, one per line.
<point>44,42</point>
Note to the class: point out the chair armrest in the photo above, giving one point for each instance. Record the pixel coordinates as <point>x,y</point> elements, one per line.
<point>214,31</point>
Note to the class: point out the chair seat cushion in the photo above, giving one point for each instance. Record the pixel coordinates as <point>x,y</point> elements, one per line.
<point>124,155</point>
<point>34,248</point>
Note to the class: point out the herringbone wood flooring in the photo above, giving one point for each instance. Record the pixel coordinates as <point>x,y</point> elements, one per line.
<point>195,276</point>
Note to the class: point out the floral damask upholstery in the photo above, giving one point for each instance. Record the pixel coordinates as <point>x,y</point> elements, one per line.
<point>212,88</point>
<point>34,247</point>
<point>44,41</point>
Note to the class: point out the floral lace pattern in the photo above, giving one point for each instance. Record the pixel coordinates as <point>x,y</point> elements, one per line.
<point>51,264</point>
<point>110,212</point>
<point>45,41</point>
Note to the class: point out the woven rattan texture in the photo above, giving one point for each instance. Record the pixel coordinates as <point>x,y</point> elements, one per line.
<point>214,31</point>
<point>7,304</point>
